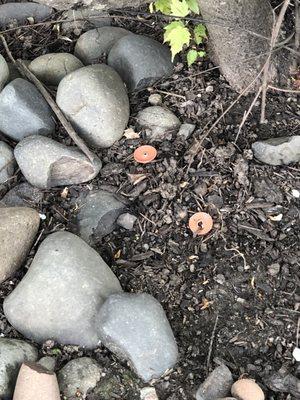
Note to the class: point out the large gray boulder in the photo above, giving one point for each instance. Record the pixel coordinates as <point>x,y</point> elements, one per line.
<point>46,163</point>
<point>61,293</point>
<point>216,385</point>
<point>13,353</point>
<point>53,67</point>
<point>80,374</point>
<point>93,44</point>
<point>7,162</point>
<point>135,327</point>
<point>20,11</point>
<point>98,213</point>
<point>94,99</point>
<point>4,71</point>
<point>18,228</point>
<point>140,61</point>
<point>24,111</point>
<point>94,4</point>
<point>278,151</point>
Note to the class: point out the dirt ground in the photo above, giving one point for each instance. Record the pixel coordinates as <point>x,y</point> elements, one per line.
<point>220,292</point>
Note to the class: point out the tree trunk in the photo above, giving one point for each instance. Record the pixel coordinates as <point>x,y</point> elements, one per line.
<point>93,4</point>
<point>239,53</point>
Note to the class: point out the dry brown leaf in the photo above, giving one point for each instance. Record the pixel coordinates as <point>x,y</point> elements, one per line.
<point>136,178</point>
<point>64,193</point>
<point>131,134</point>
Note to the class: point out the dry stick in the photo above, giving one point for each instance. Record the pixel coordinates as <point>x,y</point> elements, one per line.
<point>57,111</point>
<point>297,30</point>
<point>274,37</point>
<point>212,342</point>
<point>283,90</point>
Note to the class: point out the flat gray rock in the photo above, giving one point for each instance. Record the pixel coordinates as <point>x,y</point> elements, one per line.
<point>140,61</point>
<point>278,151</point>
<point>13,353</point>
<point>18,228</point>
<point>53,67</point>
<point>4,71</point>
<point>80,374</point>
<point>135,327</point>
<point>7,162</point>
<point>46,163</point>
<point>95,100</point>
<point>22,195</point>
<point>48,363</point>
<point>24,111</point>
<point>158,122</point>
<point>93,44</point>
<point>61,293</point>
<point>98,213</point>
<point>84,19</point>
<point>11,12</point>
<point>216,385</point>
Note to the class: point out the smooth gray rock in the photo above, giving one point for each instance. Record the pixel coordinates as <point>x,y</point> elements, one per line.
<point>278,151</point>
<point>94,4</point>
<point>4,71</point>
<point>11,12</point>
<point>98,212</point>
<point>158,121</point>
<point>46,163</point>
<point>127,221</point>
<point>22,195</point>
<point>186,130</point>
<point>93,44</point>
<point>53,67</point>
<point>7,162</point>
<point>94,99</point>
<point>48,363</point>
<point>216,385</point>
<point>18,228</point>
<point>84,19</point>
<point>140,61</point>
<point>135,327</point>
<point>61,293</point>
<point>13,353</point>
<point>24,111</point>
<point>80,374</point>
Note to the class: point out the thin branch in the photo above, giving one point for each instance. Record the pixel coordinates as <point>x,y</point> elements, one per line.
<point>212,338</point>
<point>283,90</point>
<point>297,30</point>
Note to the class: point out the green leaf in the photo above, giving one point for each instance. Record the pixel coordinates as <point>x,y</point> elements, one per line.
<point>201,53</point>
<point>193,6</point>
<point>177,35</point>
<point>163,6</point>
<point>199,33</point>
<point>192,56</point>
<point>179,8</point>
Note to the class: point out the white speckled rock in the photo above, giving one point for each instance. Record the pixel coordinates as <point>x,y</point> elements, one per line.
<point>34,116</point>
<point>158,121</point>
<point>52,68</point>
<point>4,72</point>
<point>7,162</point>
<point>63,290</point>
<point>46,163</point>
<point>95,100</point>
<point>278,151</point>
<point>91,46</point>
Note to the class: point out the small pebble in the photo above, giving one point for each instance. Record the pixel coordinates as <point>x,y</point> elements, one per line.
<point>186,130</point>
<point>127,221</point>
<point>247,389</point>
<point>274,269</point>
<point>296,193</point>
<point>148,393</point>
<point>155,99</point>
<point>296,354</point>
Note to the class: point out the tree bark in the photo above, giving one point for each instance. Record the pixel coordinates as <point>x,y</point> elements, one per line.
<point>241,54</point>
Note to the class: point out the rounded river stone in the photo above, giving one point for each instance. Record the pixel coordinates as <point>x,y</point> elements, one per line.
<point>278,151</point>
<point>4,72</point>
<point>20,11</point>
<point>7,162</point>
<point>95,100</point>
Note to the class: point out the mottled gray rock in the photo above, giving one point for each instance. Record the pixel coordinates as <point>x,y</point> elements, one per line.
<point>11,12</point>
<point>34,116</point>
<point>278,151</point>
<point>84,19</point>
<point>53,67</point>
<point>80,374</point>
<point>46,163</point>
<point>135,327</point>
<point>284,382</point>
<point>67,282</point>
<point>186,130</point>
<point>140,61</point>
<point>93,44</point>
<point>98,212</point>
<point>22,195</point>
<point>155,99</point>
<point>94,99</point>
<point>94,4</point>
<point>48,363</point>
<point>18,228</point>
<point>4,71</point>
<point>158,121</point>
<point>217,384</point>
<point>13,353</point>
<point>7,162</point>
<point>127,221</point>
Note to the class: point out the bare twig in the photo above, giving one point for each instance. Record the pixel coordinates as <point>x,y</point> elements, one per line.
<point>57,111</point>
<point>212,338</point>
<point>283,90</point>
<point>297,30</point>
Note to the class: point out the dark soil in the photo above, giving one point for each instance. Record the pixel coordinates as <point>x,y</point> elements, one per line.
<point>223,303</point>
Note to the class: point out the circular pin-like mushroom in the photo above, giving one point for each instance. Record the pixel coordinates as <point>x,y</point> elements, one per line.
<point>145,154</point>
<point>201,223</point>
<point>247,389</point>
